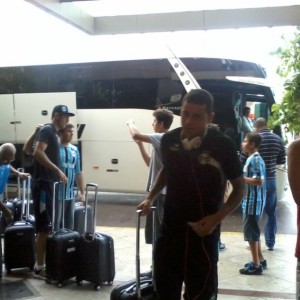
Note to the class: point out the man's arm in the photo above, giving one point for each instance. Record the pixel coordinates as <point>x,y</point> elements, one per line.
<point>254,181</point>
<point>207,225</point>
<point>234,199</point>
<point>281,159</point>
<point>136,134</point>
<point>28,145</point>
<point>22,175</point>
<point>145,155</point>
<point>41,157</point>
<point>6,211</point>
<point>159,184</point>
<point>294,169</point>
<point>80,186</point>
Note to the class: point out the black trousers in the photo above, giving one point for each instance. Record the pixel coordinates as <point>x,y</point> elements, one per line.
<point>183,257</point>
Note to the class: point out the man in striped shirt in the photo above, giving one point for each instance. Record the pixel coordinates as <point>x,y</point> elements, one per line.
<point>273,152</point>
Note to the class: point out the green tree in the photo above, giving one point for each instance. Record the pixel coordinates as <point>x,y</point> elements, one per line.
<point>288,111</point>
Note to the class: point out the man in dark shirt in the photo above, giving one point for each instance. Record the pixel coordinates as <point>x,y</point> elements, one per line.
<point>46,172</point>
<point>197,162</point>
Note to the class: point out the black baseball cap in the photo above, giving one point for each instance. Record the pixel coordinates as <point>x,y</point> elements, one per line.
<point>63,110</point>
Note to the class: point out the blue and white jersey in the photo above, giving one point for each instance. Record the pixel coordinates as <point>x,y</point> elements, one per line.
<point>70,165</point>
<point>255,198</point>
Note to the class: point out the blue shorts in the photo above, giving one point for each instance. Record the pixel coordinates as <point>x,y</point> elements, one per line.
<point>251,228</point>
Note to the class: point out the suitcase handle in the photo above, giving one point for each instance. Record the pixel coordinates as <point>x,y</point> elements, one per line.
<point>19,183</point>
<point>138,267</point>
<point>95,186</point>
<point>56,198</point>
<point>26,207</point>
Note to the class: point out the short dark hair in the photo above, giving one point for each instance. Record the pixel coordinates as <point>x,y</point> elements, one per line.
<point>246,109</point>
<point>165,116</point>
<point>255,138</point>
<point>201,97</point>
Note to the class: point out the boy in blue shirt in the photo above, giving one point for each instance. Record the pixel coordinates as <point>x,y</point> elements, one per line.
<point>253,203</point>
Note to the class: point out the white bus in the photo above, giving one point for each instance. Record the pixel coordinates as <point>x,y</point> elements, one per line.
<point>106,94</point>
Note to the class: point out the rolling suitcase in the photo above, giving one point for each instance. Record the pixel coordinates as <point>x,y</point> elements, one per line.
<point>79,218</point>
<point>10,204</point>
<point>96,253</point>
<point>142,287</point>
<point>19,238</point>
<point>61,249</point>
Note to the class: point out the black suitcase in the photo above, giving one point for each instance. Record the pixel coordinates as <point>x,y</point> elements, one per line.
<point>142,287</point>
<point>79,217</point>
<point>19,239</point>
<point>61,250</point>
<point>10,204</point>
<point>96,253</point>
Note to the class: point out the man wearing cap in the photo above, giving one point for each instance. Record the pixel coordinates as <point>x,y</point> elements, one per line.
<point>46,172</point>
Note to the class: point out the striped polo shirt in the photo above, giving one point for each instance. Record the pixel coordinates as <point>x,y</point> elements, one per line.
<point>272,151</point>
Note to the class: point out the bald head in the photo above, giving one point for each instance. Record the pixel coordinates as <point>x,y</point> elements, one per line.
<point>7,153</point>
<point>260,123</point>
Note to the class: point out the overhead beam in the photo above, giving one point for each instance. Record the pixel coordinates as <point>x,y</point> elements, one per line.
<point>172,21</point>
<point>67,12</point>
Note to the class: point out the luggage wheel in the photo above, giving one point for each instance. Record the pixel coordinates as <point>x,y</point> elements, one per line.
<point>59,284</point>
<point>97,287</point>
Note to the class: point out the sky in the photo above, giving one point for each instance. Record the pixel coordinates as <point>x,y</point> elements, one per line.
<point>29,36</point>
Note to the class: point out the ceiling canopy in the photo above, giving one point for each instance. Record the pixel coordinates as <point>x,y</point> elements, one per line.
<point>107,17</point>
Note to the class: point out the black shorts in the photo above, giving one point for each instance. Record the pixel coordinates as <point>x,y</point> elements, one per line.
<point>42,194</point>
<point>251,228</point>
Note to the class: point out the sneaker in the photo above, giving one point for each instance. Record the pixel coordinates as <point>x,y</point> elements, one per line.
<point>40,274</point>
<point>250,269</point>
<point>270,246</point>
<point>263,263</point>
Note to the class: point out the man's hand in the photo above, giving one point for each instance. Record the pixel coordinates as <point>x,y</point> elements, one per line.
<point>62,176</point>
<point>145,206</point>
<point>205,226</point>
<point>81,197</point>
<point>130,122</point>
<point>7,214</point>
<point>23,176</point>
